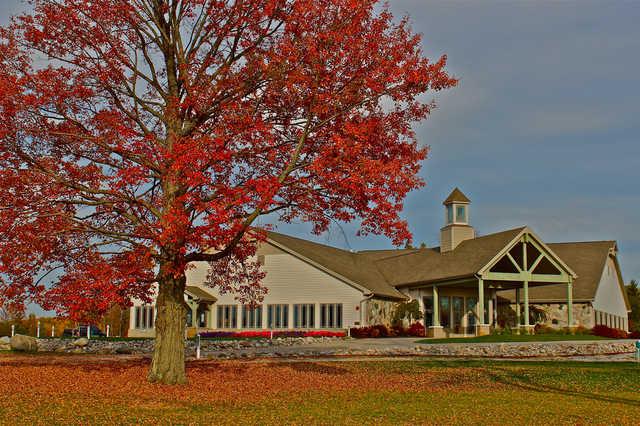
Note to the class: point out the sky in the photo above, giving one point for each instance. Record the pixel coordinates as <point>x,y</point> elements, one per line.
<point>542,130</point>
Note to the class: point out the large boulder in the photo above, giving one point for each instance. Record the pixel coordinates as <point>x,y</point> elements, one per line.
<point>23,343</point>
<point>81,342</point>
<point>5,343</point>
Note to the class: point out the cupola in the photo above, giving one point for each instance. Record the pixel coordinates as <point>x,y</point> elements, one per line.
<point>457,228</point>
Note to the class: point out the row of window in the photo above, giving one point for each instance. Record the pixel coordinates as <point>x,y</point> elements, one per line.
<point>304,316</point>
<point>610,320</point>
<point>144,317</point>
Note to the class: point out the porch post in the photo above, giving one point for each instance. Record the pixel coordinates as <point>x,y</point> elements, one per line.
<point>481,328</point>
<point>570,302</point>
<point>527,326</point>
<point>436,329</point>
<point>435,320</point>
<point>194,314</point>
<point>518,316</point>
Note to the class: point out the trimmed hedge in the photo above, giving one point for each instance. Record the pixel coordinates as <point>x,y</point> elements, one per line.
<point>375,331</point>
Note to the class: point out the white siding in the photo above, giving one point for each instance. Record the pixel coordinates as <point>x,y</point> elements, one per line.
<point>290,281</point>
<point>609,298</point>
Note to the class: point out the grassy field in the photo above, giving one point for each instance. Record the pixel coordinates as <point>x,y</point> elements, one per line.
<point>108,390</point>
<point>497,338</point>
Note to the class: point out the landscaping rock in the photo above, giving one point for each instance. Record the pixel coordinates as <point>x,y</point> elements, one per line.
<point>5,343</point>
<point>23,343</point>
<point>81,342</point>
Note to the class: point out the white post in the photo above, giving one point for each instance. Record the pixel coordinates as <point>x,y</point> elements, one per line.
<point>198,347</point>
<point>88,331</point>
<point>38,330</point>
<point>53,330</point>
<point>13,330</point>
<point>108,329</point>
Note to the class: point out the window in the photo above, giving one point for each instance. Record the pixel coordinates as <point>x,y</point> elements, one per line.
<point>278,316</point>
<point>304,315</point>
<point>449,214</point>
<point>427,301</point>
<point>144,317</point>
<point>461,214</point>
<point>445,311</point>
<point>227,316</point>
<point>251,317</point>
<point>331,315</point>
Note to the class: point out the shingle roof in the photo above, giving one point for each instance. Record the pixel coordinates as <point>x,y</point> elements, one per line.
<point>351,266</point>
<point>427,265</point>
<point>587,259</point>
<point>456,196</point>
<point>380,271</point>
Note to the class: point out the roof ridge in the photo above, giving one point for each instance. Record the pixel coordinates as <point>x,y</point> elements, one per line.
<point>583,242</point>
<point>310,241</point>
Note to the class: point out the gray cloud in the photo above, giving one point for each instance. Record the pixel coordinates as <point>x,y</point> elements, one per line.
<point>543,128</point>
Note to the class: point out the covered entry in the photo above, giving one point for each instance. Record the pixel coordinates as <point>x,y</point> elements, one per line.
<point>466,304</point>
<point>199,302</point>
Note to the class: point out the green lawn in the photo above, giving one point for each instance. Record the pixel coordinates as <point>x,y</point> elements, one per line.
<point>496,338</point>
<point>99,390</point>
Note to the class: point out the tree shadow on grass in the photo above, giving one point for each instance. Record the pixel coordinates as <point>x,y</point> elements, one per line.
<point>76,362</point>
<point>521,381</point>
<point>239,368</point>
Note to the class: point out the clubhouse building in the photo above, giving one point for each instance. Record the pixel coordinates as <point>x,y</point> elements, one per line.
<point>467,286</point>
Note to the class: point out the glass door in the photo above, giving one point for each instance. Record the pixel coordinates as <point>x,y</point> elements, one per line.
<point>472,318</point>
<point>445,311</point>
<point>457,306</point>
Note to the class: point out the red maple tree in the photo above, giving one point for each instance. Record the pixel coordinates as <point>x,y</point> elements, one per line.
<point>138,136</point>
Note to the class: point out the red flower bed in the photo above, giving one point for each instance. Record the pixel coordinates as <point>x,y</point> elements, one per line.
<point>611,333</point>
<point>267,334</point>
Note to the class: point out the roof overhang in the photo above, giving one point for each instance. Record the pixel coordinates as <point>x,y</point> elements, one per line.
<point>199,294</point>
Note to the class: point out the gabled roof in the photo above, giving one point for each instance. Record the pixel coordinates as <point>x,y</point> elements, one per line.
<point>429,265</point>
<point>587,259</point>
<point>347,266</point>
<point>456,196</point>
<point>381,271</point>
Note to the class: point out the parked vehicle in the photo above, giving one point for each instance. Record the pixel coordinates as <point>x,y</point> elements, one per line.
<point>81,331</point>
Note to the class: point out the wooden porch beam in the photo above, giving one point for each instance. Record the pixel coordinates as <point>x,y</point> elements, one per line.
<point>518,268</point>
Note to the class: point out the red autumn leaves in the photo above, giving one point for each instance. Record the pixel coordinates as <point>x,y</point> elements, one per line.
<point>154,136</point>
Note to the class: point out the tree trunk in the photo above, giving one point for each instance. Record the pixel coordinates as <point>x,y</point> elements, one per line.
<point>168,364</point>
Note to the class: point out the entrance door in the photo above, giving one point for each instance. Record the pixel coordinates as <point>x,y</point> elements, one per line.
<point>445,311</point>
<point>471,314</point>
<point>428,311</point>
<point>457,305</point>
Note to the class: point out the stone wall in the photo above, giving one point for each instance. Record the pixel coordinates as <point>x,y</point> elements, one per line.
<point>145,346</point>
<point>378,311</point>
<point>555,314</point>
